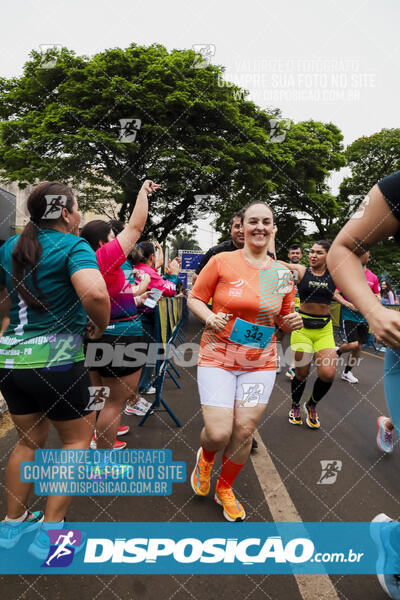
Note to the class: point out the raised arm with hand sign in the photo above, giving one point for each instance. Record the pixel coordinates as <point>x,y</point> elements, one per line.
<point>132,232</point>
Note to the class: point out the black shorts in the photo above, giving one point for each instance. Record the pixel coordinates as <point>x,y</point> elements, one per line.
<point>59,395</point>
<point>356,331</point>
<point>110,356</point>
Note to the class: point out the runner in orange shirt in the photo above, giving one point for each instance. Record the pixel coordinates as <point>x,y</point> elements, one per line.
<point>237,361</point>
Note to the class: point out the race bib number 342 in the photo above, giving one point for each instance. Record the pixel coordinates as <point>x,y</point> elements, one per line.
<point>251,334</point>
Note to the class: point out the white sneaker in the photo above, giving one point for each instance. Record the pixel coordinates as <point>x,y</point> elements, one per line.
<point>140,408</point>
<point>93,441</point>
<point>151,390</point>
<point>143,403</point>
<point>349,377</point>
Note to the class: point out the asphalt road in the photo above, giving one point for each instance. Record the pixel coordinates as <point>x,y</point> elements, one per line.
<point>365,486</point>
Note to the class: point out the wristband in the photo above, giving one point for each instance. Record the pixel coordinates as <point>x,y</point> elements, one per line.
<point>208,318</point>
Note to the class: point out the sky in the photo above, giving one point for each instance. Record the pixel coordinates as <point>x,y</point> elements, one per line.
<point>331,61</point>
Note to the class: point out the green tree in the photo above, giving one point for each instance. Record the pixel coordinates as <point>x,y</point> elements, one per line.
<point>385,261</point>
<point>298,190</point>
<point>370,159</point>
<point>198,136</point>
<point>183,240</point>
<point>303,192</point>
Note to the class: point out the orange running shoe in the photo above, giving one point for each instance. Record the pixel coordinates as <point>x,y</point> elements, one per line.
<point>200,478</point>
<point>233,510</point>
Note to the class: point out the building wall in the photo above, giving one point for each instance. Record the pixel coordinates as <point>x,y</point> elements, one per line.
<point>8,204</point>
<point>21,215</point>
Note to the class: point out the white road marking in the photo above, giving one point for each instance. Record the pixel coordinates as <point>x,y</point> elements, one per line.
<point>311,587</point>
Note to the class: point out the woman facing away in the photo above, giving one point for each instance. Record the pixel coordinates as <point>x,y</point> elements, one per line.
<point>110,358</point>
<point>237,360</point>
<point>49,283</point>
<point>145,262</point>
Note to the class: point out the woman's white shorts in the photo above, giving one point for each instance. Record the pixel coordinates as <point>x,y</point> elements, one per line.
<point>247,389</point>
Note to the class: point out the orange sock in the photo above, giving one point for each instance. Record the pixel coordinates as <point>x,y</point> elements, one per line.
<point>229,472</point>
<point>208,454</point>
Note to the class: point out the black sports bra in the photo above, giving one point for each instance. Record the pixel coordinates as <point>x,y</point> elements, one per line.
<point>316,288</point>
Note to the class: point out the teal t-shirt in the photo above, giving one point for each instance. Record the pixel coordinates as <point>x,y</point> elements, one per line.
<point>352,315</point>
<point>128,272</point>
<point>126,328</point>
<point>52,337</point>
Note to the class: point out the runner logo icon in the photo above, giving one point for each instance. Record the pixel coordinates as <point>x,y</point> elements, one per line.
<point>54,206</point>
<point>63,543</point>
<point>98,397</point>
<point>285,281</point>
<point>330,471</point>
<point>128,130</point>
<point>252,394</point>
<point>63,349</point>
<point>204,54</point>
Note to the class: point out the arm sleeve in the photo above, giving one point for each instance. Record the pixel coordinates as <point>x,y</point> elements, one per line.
<point>286,303</point>
<point>208,255</point>
<point>80,257</point>
<point>391,298</point>
<point>206,282</point>
<point>173,278</point>
<point>110,256</point>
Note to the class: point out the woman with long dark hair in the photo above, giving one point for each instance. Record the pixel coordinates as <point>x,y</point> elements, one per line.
<point>49,283</point>
<point>110,359</point>
<point>388,295</point>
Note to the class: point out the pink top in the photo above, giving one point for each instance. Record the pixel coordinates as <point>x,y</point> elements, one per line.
<point>372,280</point>
<point>110,257</point>
<point>168,287</point>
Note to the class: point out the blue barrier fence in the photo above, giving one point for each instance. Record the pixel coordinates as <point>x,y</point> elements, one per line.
<point>169,319</point>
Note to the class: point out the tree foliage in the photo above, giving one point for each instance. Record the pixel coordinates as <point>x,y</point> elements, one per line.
<point>183,240</point>
<point>209,147</point>
<point>197,137</point>
<point>299,191</point>
<point>370,159</point>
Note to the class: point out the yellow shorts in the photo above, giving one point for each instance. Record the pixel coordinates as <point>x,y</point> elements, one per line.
<point>312,340</point>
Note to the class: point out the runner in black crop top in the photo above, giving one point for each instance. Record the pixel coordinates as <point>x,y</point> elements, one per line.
<point>315,340</point>
<point>314,283</point>
<point>316,288</point>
